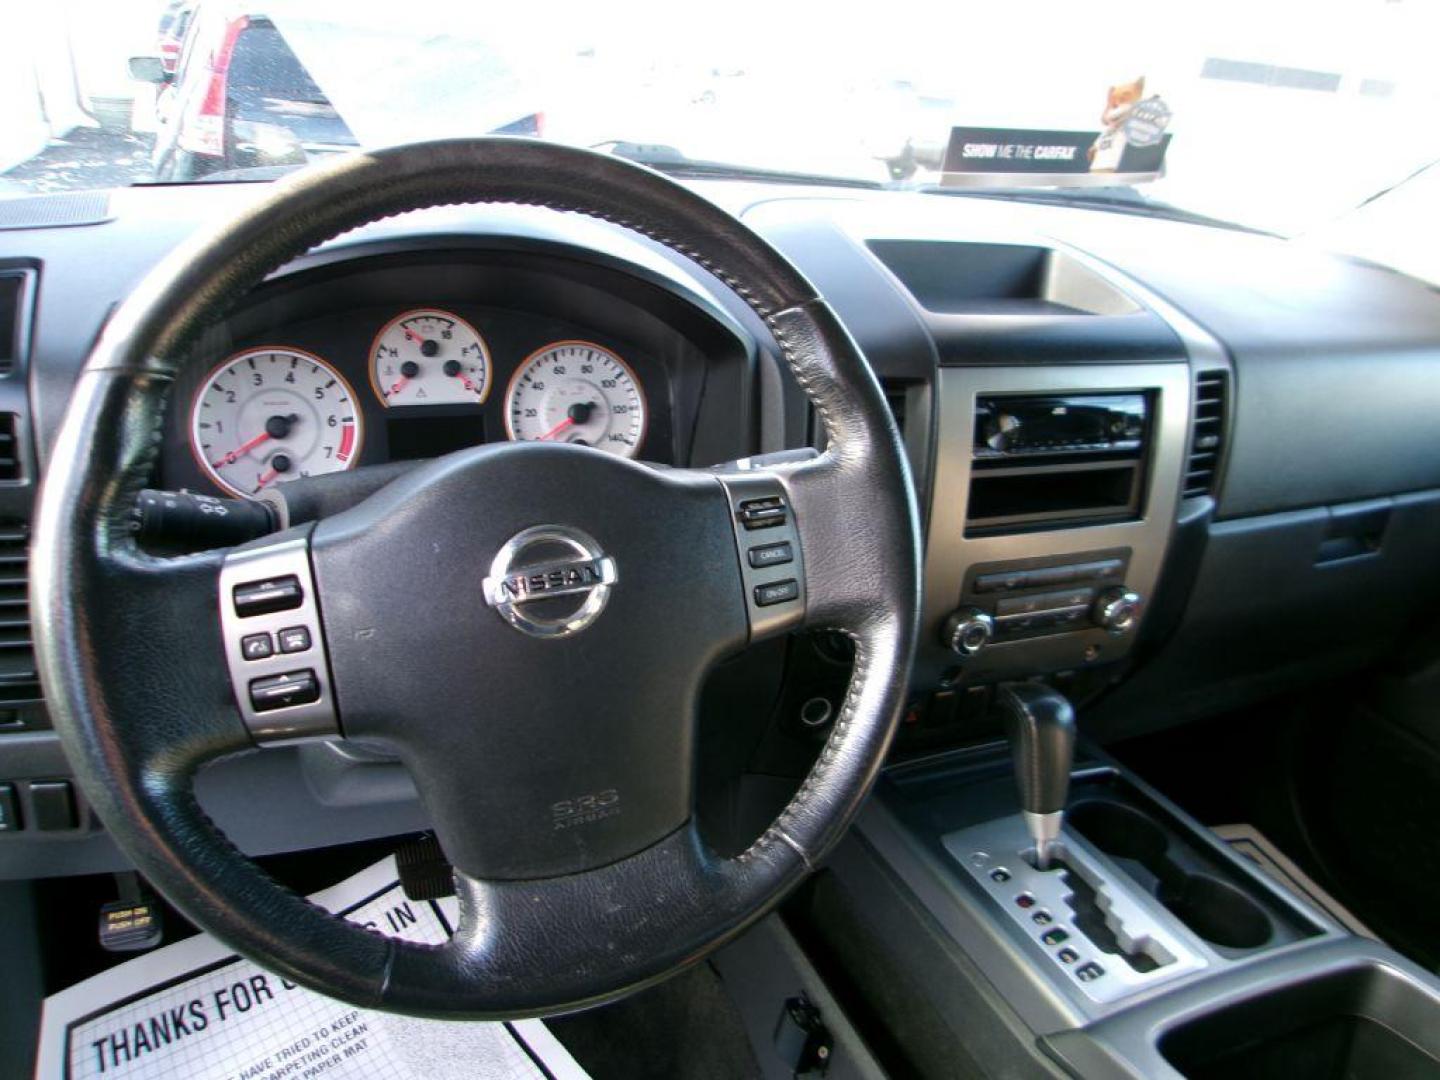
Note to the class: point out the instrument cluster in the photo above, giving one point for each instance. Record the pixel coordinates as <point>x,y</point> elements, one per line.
<point>432,380</point>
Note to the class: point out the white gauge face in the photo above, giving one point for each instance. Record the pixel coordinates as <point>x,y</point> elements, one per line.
<point>429,357</point>
<point>267,416</point>
<point>577,392</point>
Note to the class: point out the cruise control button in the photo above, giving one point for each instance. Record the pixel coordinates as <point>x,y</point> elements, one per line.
<point>264,597</point>
<point>777,592</point>
<point>770,555</point>
<point>281,691</point>
<point>294,639</point>
<point>1067,956</point>
<point>1041,917</point>
<point>1089,972</point>
<point>762,513</point>
<point>256,647</point>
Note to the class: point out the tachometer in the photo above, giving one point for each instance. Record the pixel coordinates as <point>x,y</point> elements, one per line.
<point>272,414</point>
<point>429,357</point>
<point>577,392</point>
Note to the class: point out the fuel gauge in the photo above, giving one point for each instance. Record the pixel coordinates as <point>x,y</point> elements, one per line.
<point>429,357</point>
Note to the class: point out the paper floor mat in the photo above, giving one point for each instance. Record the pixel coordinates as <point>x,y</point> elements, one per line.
<point>196,1011</point>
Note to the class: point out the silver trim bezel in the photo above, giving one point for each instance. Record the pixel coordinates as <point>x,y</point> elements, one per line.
<point>949,553</point>
<point>273,559</point>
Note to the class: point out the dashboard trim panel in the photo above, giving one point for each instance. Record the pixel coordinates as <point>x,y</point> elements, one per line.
<point>950,553</point>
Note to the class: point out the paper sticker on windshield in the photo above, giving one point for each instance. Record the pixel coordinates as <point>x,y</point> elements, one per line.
<point>1129,147</point>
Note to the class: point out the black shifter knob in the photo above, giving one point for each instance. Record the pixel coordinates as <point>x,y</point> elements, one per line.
<point>1041,727</point>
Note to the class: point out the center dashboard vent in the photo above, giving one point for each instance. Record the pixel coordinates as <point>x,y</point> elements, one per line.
<point>19,681</point>
<point>1207,437</point>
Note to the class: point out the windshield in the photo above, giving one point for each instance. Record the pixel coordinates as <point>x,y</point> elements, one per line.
<point>1283,117</point>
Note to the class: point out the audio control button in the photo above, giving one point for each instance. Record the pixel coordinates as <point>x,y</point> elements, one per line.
<point>264,597</point>
<point>294,639</point>
<point>281,691</point>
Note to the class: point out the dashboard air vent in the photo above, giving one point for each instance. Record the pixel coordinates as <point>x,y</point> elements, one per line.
<point>1208,434</point>
<point>9,447</point>
<point>19,682</point>
<point>12,304</point>
<point>895,394</point>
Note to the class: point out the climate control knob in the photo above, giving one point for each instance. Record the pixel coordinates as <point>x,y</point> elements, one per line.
<point>967,631</point>
<point>1117,610</point>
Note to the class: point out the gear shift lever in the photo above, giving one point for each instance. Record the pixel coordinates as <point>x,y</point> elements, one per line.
<point>1041,727</point>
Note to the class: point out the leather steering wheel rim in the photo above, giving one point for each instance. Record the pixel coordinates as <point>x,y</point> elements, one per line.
<point>130,652</point>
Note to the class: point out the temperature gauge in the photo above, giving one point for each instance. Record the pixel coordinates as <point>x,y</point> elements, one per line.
<point>429,357</point>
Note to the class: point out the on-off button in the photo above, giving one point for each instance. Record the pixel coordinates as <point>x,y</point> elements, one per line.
<point>777,592</point>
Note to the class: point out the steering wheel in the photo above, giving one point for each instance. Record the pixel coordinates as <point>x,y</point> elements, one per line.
<point>526,626</point>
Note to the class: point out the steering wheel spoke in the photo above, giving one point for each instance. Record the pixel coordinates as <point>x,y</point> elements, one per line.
<point>274,641</point>
<point>769,549</point>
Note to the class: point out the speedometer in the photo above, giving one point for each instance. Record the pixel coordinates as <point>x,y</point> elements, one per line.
<point>272,414</point>
<point>577,392</point>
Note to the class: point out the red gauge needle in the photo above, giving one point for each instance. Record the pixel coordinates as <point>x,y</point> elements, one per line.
<point>240,451</point>
<point>410,333</point>
<point>399,385</point>
<point>558,428</point>
<point>266,477</point>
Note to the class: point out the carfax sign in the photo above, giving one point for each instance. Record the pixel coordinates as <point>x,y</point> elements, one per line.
<point>1129,146</point>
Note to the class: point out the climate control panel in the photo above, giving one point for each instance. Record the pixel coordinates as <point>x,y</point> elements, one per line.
<point>1012,602</point>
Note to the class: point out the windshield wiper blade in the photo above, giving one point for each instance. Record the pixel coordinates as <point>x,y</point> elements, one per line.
<point>1119,200</point>
<point>673,162</point>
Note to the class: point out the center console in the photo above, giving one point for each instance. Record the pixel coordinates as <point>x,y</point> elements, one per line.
<point>1075,425</point>
<point>1147,947</point>
<point>1055,491</point>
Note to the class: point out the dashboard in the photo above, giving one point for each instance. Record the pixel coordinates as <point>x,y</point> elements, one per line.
<point>1153,459</point>
<point>397,358</point>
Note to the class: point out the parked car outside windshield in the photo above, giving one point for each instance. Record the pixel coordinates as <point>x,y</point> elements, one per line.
<point>1283,117</point>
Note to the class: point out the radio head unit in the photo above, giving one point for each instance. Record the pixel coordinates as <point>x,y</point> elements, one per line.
<point>1022,425</point>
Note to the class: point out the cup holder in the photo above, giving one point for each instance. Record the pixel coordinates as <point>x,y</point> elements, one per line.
<point>1217,911</point>
<point>1119,830</point>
